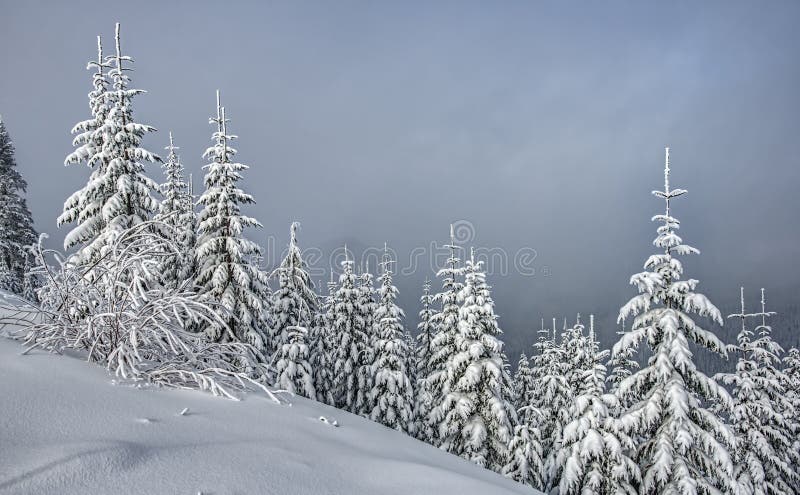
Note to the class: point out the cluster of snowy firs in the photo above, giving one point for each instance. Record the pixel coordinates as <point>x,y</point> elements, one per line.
<point>158,292</point>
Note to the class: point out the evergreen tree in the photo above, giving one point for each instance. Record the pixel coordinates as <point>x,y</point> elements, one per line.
<point>621,365</point>
<point>365,309</point>
<point>118,194</point>
<point>225,273</point>
<point>591,453</point>
<point>523,383</point>
<point>84,207</point>
<point>322,354</point>
<point>8,280</point>
<point>351,341</point>
<point>293,303</point>
<point>445,323</point>
<point>572,363</point>
<point>577,354</point>
<point>476,416</point>
<point>294,372</point>
<point>172,212</point>
<point>683,447</point>
<point>392,393</point>
<point>410,357</point>
<point>525,450</point>
<point>552,395</point>
<point>187,235</point>
<point>525,462</point>
<point>786,418</point>
<point>765,464</point>
<point>16,222</point>
<point>791,373</point>
<point>423,399</point>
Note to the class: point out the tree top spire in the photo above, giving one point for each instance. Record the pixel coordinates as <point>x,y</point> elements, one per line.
<point>171,147</point>
<point>293,233</point>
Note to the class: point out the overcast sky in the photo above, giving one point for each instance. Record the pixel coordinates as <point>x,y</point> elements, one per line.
<point>539,124</point>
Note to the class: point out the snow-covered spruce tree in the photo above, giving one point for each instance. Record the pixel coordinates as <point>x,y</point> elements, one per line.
<point>445,324</point>
<point>523,383</point>
<point>392,393</point>
<point>351,341</point>
<point>365,308</point>
<point>410,356</point>
<point>118,195</point>
<point>525,462</point>
<point>621,365</point>
<point>84,207</point>
<point>187,235</point>
<point>293,303</point>
<point>422,397</point>
<point>764,460</point>
<point>8,281</point>
<point>787,409</point>
<point>552,395</point>
<point>476,417</point>
<point>791,373</point>
<point>591,454</point>
<point>525,453</point>
<point>294,372</point>
<point>172,212</point>
<point>682,446</point>
<point>537,363</point>
<point>16,222</point>
<point>226,275</point>
<point>577,353</point>
<point>323,351</point>
<point>573,363</point>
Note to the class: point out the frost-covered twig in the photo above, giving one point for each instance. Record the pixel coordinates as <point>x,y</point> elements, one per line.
<point>124,318</point>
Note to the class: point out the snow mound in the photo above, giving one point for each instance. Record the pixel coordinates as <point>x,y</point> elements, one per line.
<point>65,428</point>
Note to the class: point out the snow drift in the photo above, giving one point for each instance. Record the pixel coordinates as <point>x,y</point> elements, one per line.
<point>66,428</point>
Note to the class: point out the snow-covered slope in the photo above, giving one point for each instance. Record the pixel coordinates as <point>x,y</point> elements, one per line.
<point>65,428</point>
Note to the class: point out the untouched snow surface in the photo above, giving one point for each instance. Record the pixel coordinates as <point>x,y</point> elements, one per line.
<point>66,428</point>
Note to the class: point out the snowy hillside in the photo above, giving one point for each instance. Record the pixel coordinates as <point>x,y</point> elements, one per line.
<point>65,428</point>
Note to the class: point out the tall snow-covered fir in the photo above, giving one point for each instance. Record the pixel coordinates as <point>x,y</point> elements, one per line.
<point>552,395</point>
<point>172,212</point>
<point>591,454</point>
<point>119,195</point>
<point>621,365</point>
<point>16,222</point>
<point>766,462</point>
<point>445,324</point>
<point>523,382</point>
<point>351,341</point>
<point>323,350</point>
<point>293,302</point>
<point>682,446</point>
<point>525,461</point>
<point>392,391</point>
<point>226,274</point>
<point>365,310</point>
<point>423,400</point>
<point>791,375</point>
<point>475,416</point>
<point>292,366</point>
<point>187,235</point>
<point>84,206</point>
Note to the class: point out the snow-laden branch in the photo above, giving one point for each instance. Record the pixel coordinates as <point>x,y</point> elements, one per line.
<point>121,316</point>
